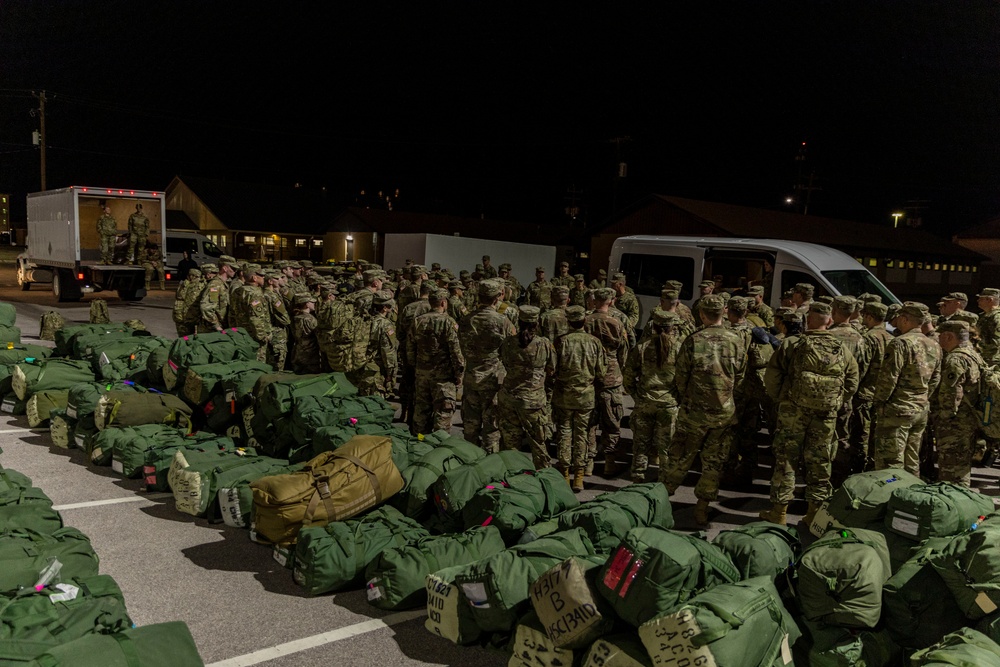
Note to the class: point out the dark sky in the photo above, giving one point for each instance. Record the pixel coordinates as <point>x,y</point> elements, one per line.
<point>498,108</point>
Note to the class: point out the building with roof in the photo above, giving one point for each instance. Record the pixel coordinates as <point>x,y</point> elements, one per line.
<point>985,240</point>
<point>914,264</point>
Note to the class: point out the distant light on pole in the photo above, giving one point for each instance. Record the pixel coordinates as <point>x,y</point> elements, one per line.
<point>895,219</point>
<point>789,200</point>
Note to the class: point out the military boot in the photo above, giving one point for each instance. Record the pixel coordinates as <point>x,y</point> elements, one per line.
<point>565,473</point>
<point>578,480</point>
<point>701,513</point>
<point>776,514</point>
<point>611,467</point>
<point>590,467</point>
<point>811,513</point>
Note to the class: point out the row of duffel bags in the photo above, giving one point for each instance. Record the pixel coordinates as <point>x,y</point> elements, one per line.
<point>55,606</point>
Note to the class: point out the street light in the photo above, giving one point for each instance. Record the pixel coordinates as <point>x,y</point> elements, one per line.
<point>895,219</point>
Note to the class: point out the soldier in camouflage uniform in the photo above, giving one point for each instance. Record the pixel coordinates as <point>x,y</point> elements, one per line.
<point>626,301</point>
<point>758,308</point>
<point>552,323</point>
<point>648,377</point>
<point>578,293</point>
<point>623,318</point>
<point>305,351</point>
<point>507,307</point>
<point>489,271</point>
<point>989,325</point>
<point>563,278</point>
<point>187,302</point>
<point>439,365</point>
<point>875,338</point>
<point>411,292</point>
<point>802,297</point>
<point>362,299</point>
<point>470,290</point>
<point>530,360</point>
<point>515,285</point>
<point>669,303</point>
<point>258,311</point>
<point>138,231</point>
<point>910,373</point>
<point>842,309</point>
<point>822,375</point>
<point>609,408</point>
<point>682,308</point>
<point>406,365</point>
<point>952,305</point>
<point>456,300</point>
<point>480,335</point>
<point>539,292</point>
<point>710,363</point>
<point>956,416</point>
<point>580,361</point>
<point>600,281</point>
<point>214,301</point>
<point>705,287</point>
<point>277,348</point>
<point>238,315</point>
<point>152,261</point>
<point>107,230</point>
<point>378,375</point>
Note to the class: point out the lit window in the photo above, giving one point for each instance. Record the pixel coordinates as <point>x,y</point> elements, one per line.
<point>910,265</point>
<point>249,239</point>
<point>960,268</point>
<point>889,264</point>
<point>937,267</point>
<point>951,267</point>
<point>300,243</point>
<point>268,240</point>
<point>975,269</point>
<point>317,243</point>
<point>872,261</point>
<point>920,265</point>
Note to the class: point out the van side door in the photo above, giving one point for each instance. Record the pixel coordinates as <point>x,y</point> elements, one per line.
<point>647,268</point>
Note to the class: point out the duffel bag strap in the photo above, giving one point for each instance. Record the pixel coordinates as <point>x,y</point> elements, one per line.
<point>321,482</point>
<point>128,649</point>
<point>372,477</point>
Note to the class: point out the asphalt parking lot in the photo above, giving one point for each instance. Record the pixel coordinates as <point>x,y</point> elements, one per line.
<point>242,606</point>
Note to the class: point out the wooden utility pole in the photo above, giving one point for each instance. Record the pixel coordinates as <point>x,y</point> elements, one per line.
<point>41,128</point>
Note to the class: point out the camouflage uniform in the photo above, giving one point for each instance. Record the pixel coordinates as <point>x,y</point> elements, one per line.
<point>237,314</point>
<point>539,294</point>
<point>989,336</point>
<point>521,399</point>
<point>456,303</point>
<point>406,365</point>
<point>610,408</point>
<point>214,303</point>
<point>553,324</point>
<point>107,230</point>
<point>710,363</point>
<point>578,292</point>
<point>648,377</point>
<point>378,376</point>
<point>515,285</point>
<point>488,271</point>
<point>438,368</point>
<point>277,347</point>
<point>630,339</point>
<point>480,335</point>
<point>305,352</point>
<point>258,311</point>
<point>875,340</point>
<point>628,304</point>
<point>853,341</point>
<point>138,231</point>
<point>187,312</point>
<point>600,281</point>
<point>565,280</point>
<point>956,417</point>
<point>153,261</point>
<point>910,373</point>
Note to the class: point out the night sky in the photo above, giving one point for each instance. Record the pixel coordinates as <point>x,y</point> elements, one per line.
<point>499,108</point>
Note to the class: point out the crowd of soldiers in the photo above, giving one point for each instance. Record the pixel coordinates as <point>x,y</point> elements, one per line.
<point>823,382</point>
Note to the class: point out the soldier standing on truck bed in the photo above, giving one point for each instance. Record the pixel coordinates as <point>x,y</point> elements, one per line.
<point>138,230</point>
<point>107,229</point>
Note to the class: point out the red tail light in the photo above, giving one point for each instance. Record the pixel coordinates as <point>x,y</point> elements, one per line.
<point>79,276</point>
<point>170,276</point>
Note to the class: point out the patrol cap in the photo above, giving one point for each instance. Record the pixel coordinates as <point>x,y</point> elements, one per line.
<point>371,275</point>
<point>416,271</point>
<point>576,314</point>
<point>485,257</point>
<point>712,303</point>
<point>455,284</point>
<point>490,289</point>
<point>791,316</point>
<point>539,268</point>
<point>479,267</point>
<point>504,267</point>
<point>953,326</point>
<point>602,272</point>
<point>618,278</point>
<point>989,291</point>
<point>226,260</point>
<point>303,298</point>
<point>966,316</point>
<point>578,277</point>
<point>560,291</point>
<point>665,318</point>
<point>787,294</point>
<point>875,309</point>
<point>914,309</point>
<point>820,308</point>
<point>564,263</point>
<point>867,296</point>
<point>194,272</point>
<point>844,304</point>
<point>737,305</point>
<point>326,289</point>
<point>528,313</point>
<point>436,266</point>
<point>706,283</point>
<point>827,299</point>
<point>209,268</point>
<point>383,299</point>
<point>464,273</point>
<point>955,296</point>
<point>726,296</point>
<point>754,290</point>
<point>804,288</point>
<point>675,284</point>
<point>669,295</point>
<point>281,264</point>
<point>306,263</point>
<point>255,269</point>
<point>604,294</point>
<point>892,310</point>
<point>294,265</point>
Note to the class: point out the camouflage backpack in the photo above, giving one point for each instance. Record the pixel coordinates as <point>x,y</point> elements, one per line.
<point>50,323</point>
<point>99,313</point>
<point>819,367</point>
<point>349,337</point>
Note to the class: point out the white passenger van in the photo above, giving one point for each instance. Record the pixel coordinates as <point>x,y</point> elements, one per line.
<point>202,250</point>
<point>649,261</point>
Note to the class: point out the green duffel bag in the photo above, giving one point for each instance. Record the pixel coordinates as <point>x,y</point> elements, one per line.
<point>239,387</point>
<point>12,483</point>
<point>415,499</point>
<point>129,359</point>
<point>159,456</point>
<point>41,404</point>
<point>333,557</point>
<point>205,380</point>
<point>860,502</point>
<point>741,623</point>
<point>128,445</point>
<point>81,402</point>
<point>13,405</point>
<point>25,554</point>
<point>158,645</point>
<point>28,508</point>
<point>310,413</point>
<point>275,396</point>
<point>497,588</point>
<point>449,615</point>
<point>935,510</point>
<point>397,577</point>
<point>9,335</point>
<point>12,354</point>
<point>406,447</point>
<point>66,336</point>
<point>155,363</point>
<point>33,621</point>
<point>8,314</point>
<point>832,646</point>
<point>617,650</point>
<point>654,569</point>
<point>840,578</point>
<point>963,648</point>
<point>760,548</point>
<point>969,565</point>
<point>518,501</point>
<point>51,373</point>
<point>917,607</point>
<point>206,348</point>
<point>61,428</point>
<point>128,408</point>
<point>457,486</point>
<point>84,345</point>
<point>195,474</point>
<point>235,498</point>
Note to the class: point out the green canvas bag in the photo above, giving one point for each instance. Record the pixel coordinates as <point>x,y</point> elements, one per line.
<point>61,428</point>
<point>28,508</point>
<point>969,565</point>
<point>840,578</point>
<point>206,348</point>
<point>33,621</point>
<point>333,557</point>
<point>12,483</point>
<point>66,336</point>
<point>205,380</point>
<point>129,359</point>
<point>84,344</point>
<point>8,314</point>
<point>51,373</point>
<point>449,615</point>
<point>275,396</point>
<point>406,447</point>
<point>81,403</point>
<point>760,548</point>
<point>13,405</point>
<point>235,499</point>
<point>963,648</point>
<point>195,474</point>
<point>41,404</point>
<point>128,444</point>
<point>397,576</point>
<point>155,363</point>
<point>310,413</point>
<point>12,354</point>
<point>654,569</point>
<point>129,408</point>
<point>497,588</point>
<point>520,500</point>
<point>935,510</point>
<point>415,499</point>
<point>917,607</point>
<point>158,645</point>
<point>457,486</point>
<point>832,646</point>
<point>738,623</point>
<point>158,457</point>
<point>24,554</point>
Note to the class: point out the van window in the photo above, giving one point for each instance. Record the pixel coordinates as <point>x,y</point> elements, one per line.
<point>180,244</point>
<point>211,249</point>
<point>739,269</point>
<point>859,282</point>
<point>647,274</point>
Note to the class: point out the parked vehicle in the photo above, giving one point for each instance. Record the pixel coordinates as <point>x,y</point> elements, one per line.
<point>201,249</point>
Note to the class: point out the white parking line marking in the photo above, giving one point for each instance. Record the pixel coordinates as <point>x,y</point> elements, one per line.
<point>307,643</point>
<point>113,501</point>
<point>23,430</point>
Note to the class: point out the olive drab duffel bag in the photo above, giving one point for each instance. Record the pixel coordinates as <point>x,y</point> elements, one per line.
<point>12,354</point>
<point>35,620</point>
<point>861,501</point>
<point>654,569</point>
<point>738,623</point>
<point>518,501</point>
<point>397,577</point>
<point>840,578</point>
<point>415,498</point>
<point>969,565</point>
<point>128,408</point>
<point>333,486</point>
<point>205,380</point>
<point>167,644</point>
<point>760,548</point>
<point>206,348</point>
<point>41,374</point>
<point>195,476</point>
<point>41,404</point>
<point>235,498</point>
<point>65,338</point>
<point>129,359</point>
<point>28,508</point>
<point>406,447</point>
<point>832,646</point>
<point>128,445</point>
<point>935,510</point>
<point>335,556</point>
<point>457,486</point>
<point>25,554</point>
<point>965,647</point>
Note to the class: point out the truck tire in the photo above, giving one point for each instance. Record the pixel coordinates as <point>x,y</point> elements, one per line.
<point>129,295</point>
<point>64,287</point>
<point>22,283</point>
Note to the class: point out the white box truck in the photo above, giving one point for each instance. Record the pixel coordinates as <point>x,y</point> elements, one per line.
<point>63,246</point>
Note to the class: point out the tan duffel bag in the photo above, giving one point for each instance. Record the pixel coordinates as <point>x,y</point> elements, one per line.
<point>333,486</point>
